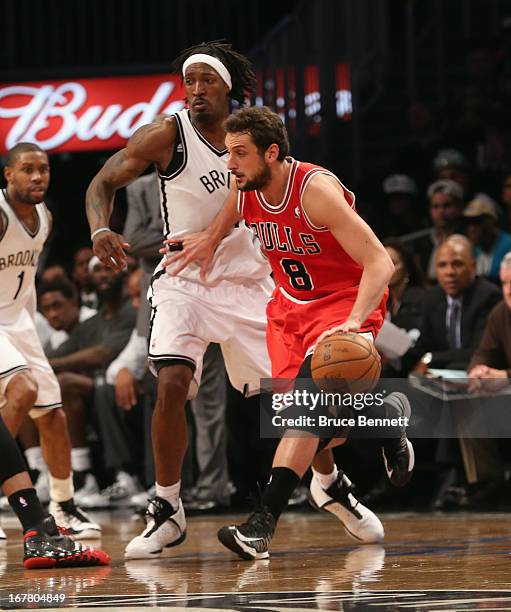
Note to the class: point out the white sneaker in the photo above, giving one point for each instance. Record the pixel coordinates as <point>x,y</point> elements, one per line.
<point>2,534</point>
<point>359,522</point>
<point>117,495</point>
<point>90,486</point>
<point>139,500</point>
<point>166,527</point>
<point>69,515</point>
<point>42,487</point>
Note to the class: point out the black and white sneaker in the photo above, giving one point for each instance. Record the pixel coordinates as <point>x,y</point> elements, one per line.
<point>360,523</point>
<point>250,540</point>
<point>398,454</point>
<point>166,527</point>
<point>70,516</point>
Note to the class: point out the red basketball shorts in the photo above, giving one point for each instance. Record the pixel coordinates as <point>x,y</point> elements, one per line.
<point>294,326</point>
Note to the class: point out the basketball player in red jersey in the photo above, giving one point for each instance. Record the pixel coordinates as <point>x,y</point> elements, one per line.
<point>332,275</point>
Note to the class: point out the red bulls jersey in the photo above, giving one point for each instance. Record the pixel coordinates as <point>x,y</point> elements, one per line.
<point>307,261</point>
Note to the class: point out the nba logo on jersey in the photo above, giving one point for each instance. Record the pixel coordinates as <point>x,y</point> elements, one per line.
<point>23,502</point>
<point>297,212</point>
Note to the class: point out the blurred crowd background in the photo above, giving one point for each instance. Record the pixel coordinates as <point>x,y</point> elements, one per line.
<point>409,103</point>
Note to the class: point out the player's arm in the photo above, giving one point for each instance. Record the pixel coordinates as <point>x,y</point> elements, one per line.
<point>149,144</point>
<point>200,247</point>
<point>326,206</point>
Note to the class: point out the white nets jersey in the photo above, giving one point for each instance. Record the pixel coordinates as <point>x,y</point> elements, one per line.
<point>19,255</point>
<point>192,194</point>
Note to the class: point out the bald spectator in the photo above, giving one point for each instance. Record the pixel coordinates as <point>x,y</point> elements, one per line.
<point>490,242</point>
<point>454,312</point>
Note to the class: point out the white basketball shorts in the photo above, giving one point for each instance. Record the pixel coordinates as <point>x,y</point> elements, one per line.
<point>20,349</point>
<point>187,316</point>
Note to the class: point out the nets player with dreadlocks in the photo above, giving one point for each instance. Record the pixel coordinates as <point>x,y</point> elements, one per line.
<point>189,312</point>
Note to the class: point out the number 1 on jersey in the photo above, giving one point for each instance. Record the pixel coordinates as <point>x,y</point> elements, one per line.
<point>21,276</point>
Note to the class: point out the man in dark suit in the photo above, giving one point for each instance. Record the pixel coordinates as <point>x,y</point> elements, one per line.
<point>454,318</point>
<point>455,311</point>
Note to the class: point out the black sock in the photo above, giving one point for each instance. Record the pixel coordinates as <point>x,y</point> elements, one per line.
<point>79,478</point>
<point>27,507</point>
<point>279,489</point>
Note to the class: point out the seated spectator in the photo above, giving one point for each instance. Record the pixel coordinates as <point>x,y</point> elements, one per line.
<point>119,429</point>
<point>490,369</point>
<point>454,312</point>
<point>58,302</point>
<point>85,355</point>
<point>446,213</point>
<point>402,213</point>
<point>492,358</point>
<point>58,314</point>
<point>52,273</point>
<point>450,164</point>
<point>406,295</point>
<point>454,316</point>
<point>83,278</point>
<point>490,242</point>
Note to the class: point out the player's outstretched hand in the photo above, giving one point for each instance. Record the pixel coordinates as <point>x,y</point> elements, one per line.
<point>198,248</point>
<point>109,247</point>
<point>349,326</point>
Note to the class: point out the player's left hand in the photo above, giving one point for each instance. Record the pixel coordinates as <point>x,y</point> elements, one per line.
<point>349,326</point>
<point>196,248</point>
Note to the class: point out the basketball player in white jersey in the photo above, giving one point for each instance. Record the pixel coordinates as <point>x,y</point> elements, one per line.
<point>188,313</point>
<point>27,382</point>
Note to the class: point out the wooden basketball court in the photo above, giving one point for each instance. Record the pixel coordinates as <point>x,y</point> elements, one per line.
<point>428,562</point>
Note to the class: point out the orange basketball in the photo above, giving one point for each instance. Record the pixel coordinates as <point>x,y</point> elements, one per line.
<point>346,363</point>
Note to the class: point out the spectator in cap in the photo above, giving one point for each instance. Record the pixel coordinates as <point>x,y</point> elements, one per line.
<point>451,164</point>
<point>446,213</point>
<point>402,214</point>
<point>490,242</point>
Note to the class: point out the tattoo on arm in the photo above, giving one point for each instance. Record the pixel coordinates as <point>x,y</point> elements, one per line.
<point>142,132</point>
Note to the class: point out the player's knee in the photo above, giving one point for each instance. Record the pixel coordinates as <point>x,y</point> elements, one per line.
<point>21,391</point>
<point>53,423</point>
<point>173,384</point>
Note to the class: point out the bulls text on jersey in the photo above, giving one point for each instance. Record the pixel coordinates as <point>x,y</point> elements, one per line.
<point>275,237</point>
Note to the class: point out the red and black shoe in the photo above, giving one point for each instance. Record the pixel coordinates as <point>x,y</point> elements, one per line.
<point>48,546</point>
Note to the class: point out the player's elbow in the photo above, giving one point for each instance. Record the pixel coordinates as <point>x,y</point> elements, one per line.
<point>387,267</point>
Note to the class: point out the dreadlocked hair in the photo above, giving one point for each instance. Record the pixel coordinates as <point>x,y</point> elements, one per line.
<point>239,67</point>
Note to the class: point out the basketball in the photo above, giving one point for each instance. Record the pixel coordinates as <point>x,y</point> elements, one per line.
<point>346,362</point>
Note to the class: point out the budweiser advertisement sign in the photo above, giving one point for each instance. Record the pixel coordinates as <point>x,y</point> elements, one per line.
<point>84,114</point>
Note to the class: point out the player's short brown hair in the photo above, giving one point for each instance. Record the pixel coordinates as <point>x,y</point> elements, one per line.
<point>264,127</point>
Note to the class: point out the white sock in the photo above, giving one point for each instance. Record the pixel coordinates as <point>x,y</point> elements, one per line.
<point>326,480</point>
<point>170,494</point>
<point>34,457</point>
<point>61,489</point>
<point>80,459</point>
